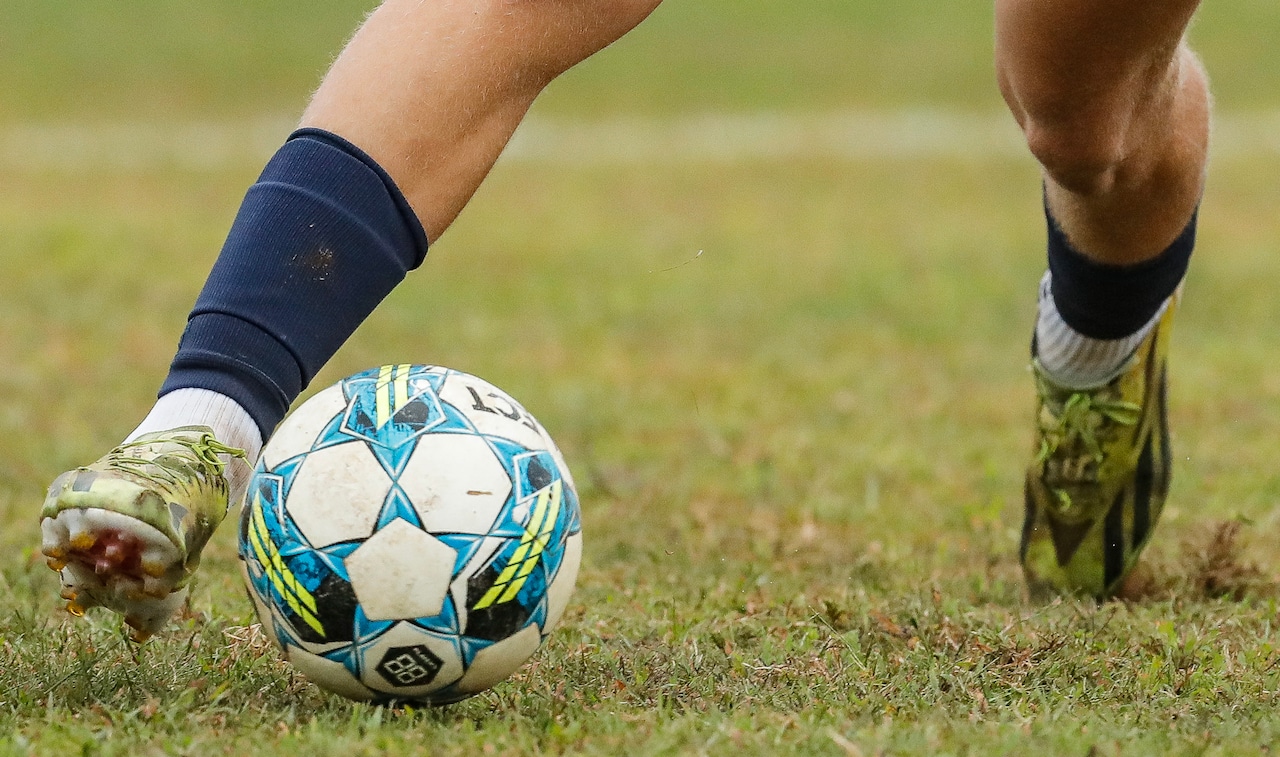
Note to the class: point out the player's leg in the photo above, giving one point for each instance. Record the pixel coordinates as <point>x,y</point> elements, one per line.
<point>433,91</point>
<point>1116,109</point>
<point>400,134</point>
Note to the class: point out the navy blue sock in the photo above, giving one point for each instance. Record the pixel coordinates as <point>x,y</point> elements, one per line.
<point>1104,301</point>
<point>320,240</point>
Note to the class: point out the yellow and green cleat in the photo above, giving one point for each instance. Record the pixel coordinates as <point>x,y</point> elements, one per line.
<point>126,532</point>
<point>1099,475</point>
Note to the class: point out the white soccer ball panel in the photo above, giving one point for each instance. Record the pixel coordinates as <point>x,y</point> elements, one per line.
<point>492,410</point>
<point>337,494</point>
<point>300,429</point>
<point>456,483</point>
<point>401,572</point>
<point>409,662</point>
<point>328,675</point>
<point>495,664</point>
<point>561,587</point>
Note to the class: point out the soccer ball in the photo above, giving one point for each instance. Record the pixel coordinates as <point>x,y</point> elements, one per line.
<point>411,534</point>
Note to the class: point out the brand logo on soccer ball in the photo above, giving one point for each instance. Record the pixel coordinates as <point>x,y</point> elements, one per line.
<point>409,666</point>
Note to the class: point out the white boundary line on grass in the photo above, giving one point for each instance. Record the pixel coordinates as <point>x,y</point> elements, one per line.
<point>856,135</point>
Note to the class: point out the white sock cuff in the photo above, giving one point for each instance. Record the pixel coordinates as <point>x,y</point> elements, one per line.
<point>231,424</point>
<point>1077,361</point>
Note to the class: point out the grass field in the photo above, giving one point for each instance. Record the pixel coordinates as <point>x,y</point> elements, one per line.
<point>799,453</point>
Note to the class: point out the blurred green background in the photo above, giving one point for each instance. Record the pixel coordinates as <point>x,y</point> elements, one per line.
<point>806,437</point>
<point>104,59</point>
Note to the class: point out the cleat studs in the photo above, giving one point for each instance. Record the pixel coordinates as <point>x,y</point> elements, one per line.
<point>155,569</point>
<point>68,594</point>
<point>56,564</point>
<point>55,551</point>
<point>156,587</point>
<point>75,609</point>
<point>102,566</point>
<point>83,540</point>
<point>137,633</point>
<point>114,552</point>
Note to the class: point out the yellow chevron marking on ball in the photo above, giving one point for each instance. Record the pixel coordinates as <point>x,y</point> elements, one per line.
<point>298,599</point>
<point>391,392</point>
<point>382,396</point>
<point>401,386</point>
<point>282,579</point>
<point>284,582</point>
<point>537,535</point>
<point>274,561</point>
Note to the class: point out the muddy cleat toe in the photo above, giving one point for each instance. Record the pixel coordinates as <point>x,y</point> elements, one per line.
<point>1099,475</point>
<point>126,532</point>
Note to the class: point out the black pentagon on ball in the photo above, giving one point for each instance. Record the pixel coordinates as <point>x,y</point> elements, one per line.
<point>538,476</point>
<point>409,666</point>
<point>336,605</point>
<point>497,621</point>
<point>415,414</point>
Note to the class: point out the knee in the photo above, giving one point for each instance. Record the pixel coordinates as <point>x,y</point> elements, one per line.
<point>1081,154</point>
<point>1078,138</point>
<point>1092,130</point>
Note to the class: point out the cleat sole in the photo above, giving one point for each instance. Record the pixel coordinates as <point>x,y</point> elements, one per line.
<point>125,532</point>
<point>116,561</point>
<point>157,587</point>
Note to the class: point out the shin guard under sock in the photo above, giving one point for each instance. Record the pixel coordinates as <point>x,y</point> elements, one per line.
<point>320,240</point>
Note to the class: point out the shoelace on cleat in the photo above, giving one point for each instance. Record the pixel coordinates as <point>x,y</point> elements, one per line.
<point>172,469</point>
<point>1085,418</point>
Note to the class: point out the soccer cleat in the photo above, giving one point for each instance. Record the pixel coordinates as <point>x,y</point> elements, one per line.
<point>126,531</point>
<point>1099,475</point>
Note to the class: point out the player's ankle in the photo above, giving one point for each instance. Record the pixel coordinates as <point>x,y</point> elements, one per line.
<point>1092,315</point>
<point>231,423</point>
